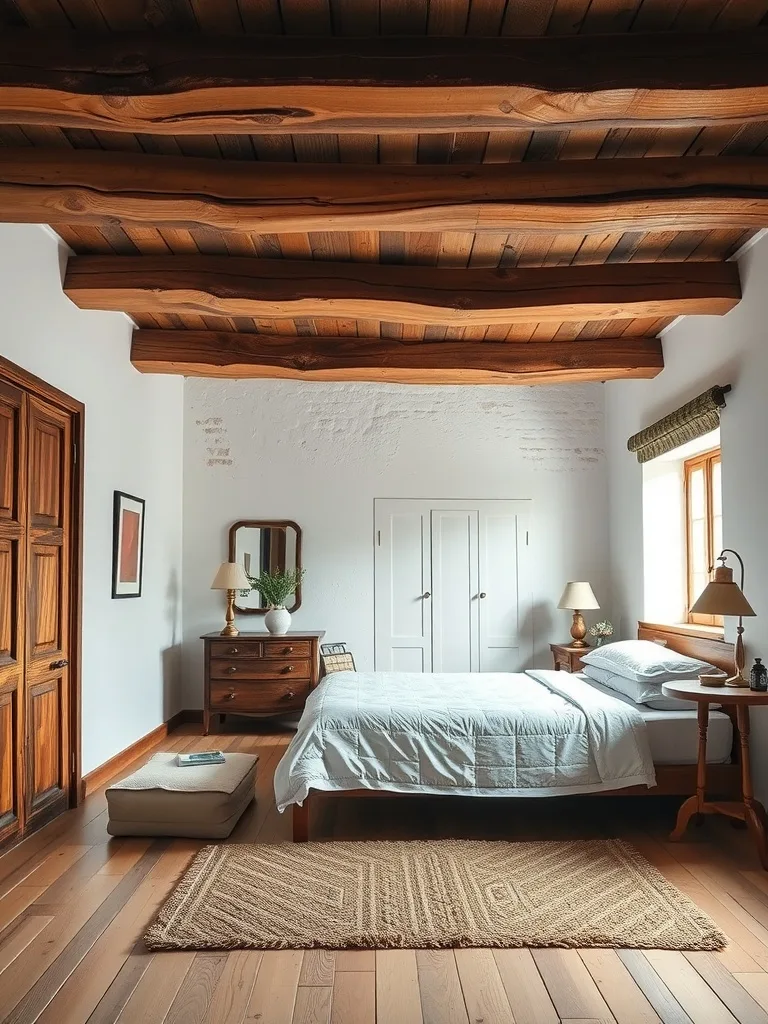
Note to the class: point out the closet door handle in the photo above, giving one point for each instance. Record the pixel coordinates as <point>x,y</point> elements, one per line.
<point>426,594</point>
<point>482,595</point>
<point>61,663</point>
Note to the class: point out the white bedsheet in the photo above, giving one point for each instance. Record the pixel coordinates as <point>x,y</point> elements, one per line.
<point>489,734</point>
<point>673,736</point>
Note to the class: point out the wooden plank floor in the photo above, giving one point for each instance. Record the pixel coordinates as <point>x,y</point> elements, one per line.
<point>74,904</point>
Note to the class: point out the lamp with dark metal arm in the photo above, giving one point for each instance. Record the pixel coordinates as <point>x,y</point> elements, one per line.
<point>724,597</point>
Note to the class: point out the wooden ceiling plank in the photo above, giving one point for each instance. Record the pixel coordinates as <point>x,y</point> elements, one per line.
<point>355,17</point>
<point>261,17</point>
<point>609,16</point>
<point>584,195</point>
<point>198,83</point>
<point>567,17</point>
<point>426,296</point>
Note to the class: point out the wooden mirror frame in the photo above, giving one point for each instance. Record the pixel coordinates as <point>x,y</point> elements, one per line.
<point>261,524</point>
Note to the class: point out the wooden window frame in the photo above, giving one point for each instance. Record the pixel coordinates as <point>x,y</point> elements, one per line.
<point>706,461</point>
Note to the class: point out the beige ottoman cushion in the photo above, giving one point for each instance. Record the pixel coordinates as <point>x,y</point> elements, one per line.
<point>200,801</point>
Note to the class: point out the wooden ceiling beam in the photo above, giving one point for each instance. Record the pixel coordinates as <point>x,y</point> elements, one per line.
<point>203,84</point>
<point>222,354</point>
<point>84,187</point>
<point>240,286</point>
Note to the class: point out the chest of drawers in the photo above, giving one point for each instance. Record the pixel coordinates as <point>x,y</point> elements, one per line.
<point>259,673</point>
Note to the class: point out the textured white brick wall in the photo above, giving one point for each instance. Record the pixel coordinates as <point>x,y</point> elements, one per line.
<point>320,453</point>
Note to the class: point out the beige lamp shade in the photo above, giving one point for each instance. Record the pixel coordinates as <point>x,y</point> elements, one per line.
<point>231,576</point>
<point>578,596</point>
<point>722,596</point>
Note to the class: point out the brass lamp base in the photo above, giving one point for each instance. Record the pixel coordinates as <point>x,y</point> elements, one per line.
<point>578,630</point>
<point>230,629</point>
<point>737,680</point>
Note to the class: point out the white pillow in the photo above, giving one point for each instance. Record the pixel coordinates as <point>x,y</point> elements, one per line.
<point>645,662</point>
<point>649,694</point>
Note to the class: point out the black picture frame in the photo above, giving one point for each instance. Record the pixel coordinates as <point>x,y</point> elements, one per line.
<point>122,501</point>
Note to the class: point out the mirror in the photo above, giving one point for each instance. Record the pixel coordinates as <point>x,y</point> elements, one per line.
<point>265,546</point>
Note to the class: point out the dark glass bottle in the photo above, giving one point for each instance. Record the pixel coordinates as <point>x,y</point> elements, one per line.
<point>758,677</point>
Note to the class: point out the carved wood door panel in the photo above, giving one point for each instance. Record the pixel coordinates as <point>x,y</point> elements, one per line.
<point>48,758</point>
<point>13,403</point>
<point>35,586</point>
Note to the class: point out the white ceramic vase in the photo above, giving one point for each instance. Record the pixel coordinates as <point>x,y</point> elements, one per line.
<point>278,620</point>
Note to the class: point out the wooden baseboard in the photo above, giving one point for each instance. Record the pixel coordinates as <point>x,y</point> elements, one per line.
<point>93,780</point>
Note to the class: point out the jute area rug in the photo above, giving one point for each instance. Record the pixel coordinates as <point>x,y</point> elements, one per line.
<point>415,895</point>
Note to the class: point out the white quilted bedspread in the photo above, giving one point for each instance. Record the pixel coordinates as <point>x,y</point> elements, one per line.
<point>474,734</point>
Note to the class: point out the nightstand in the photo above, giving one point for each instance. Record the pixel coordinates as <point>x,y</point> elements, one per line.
<point>748,809</point>
<point>568,657</point>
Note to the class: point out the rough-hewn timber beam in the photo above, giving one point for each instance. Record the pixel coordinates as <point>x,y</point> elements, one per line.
<point>81,187</point>
<point>221,354</point>
<point>239,286</point>
<point>196,84</point>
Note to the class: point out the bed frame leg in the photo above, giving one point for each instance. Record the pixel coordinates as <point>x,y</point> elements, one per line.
<point>301,822</point>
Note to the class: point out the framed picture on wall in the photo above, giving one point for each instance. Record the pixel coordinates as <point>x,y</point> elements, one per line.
<point>127,545</point>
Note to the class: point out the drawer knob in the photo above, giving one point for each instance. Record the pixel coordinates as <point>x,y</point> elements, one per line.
<point>232,669</point>
<point>231,695</point>
<point>287,650</point>
<point>288,668</point>
<point>289,695</point>
<point>233,650</point>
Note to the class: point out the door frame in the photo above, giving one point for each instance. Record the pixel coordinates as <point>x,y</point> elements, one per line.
<point>14,375</point>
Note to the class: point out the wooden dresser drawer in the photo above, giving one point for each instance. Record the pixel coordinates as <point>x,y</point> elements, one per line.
<point>286,648</point>
<point>233,649</point>
<point>270,696</point>
<point>258,673</point>
<point>274,668</point>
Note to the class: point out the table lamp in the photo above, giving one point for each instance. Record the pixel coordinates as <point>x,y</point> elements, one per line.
<point>724,597</point>
<point>577,597</point>
<point>231,577</point>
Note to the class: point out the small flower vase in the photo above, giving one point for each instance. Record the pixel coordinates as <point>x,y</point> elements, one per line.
<point>278,620</point>
<point>599,641</point>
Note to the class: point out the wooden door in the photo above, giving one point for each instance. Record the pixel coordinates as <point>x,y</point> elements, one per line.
<point>504,598</point>
<point>13,404</point>
<point>455,589</point>
<point>47,710</point>
<point>402,571</point>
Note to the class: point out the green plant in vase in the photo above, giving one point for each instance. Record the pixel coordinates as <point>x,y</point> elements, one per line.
<point>275,588</point>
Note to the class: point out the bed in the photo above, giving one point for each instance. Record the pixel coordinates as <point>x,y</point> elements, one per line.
<point>534,734</point>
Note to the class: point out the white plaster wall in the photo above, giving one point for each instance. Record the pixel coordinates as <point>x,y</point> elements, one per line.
<point>699,352</point>
<point>320,453</point>
<point>133,443</point>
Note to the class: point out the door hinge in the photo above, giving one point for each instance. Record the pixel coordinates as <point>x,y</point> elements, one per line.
<point>526,538</point>
<point>74,452</point>
<point>74,762</point>
<point>379,537</point>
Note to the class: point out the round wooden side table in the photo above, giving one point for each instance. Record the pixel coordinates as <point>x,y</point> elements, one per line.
<point>748,809</point>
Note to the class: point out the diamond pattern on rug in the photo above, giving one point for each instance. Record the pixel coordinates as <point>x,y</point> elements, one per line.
<point>449,893</point>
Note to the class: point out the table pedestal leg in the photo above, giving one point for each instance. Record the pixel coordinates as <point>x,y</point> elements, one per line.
<point>754,812</point>
<point>695,804</point>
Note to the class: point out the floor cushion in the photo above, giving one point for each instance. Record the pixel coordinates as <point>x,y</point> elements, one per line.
<point>199,801</point>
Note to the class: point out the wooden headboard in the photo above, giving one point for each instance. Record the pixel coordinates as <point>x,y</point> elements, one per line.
<point>716,652</point>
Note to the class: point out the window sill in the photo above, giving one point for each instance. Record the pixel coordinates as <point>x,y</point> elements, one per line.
<point>691,629</point>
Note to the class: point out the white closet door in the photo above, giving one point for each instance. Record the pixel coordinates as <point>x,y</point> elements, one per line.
<point>403,614</point>
<point>455,646</point>
<point>504,602</point>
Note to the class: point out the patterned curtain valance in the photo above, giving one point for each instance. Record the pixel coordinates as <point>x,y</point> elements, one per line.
<point>690,421</point>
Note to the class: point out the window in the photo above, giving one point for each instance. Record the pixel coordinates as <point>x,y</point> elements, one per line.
<point>704,525</point>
